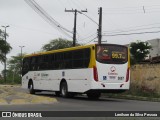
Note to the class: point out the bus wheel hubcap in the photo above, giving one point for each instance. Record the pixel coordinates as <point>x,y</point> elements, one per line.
<point>31,87</point>
<point>63,90</point>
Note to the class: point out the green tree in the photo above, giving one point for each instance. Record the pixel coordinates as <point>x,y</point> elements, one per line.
<point>58,44</point>
<point>4,46</point>
<point>14,69</point>
<point>139,50</point>
<point>14,64</point>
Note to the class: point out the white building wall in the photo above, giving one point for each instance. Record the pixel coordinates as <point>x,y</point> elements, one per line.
<point>155,51</point>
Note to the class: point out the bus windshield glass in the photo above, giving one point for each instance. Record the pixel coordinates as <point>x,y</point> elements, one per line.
<point>111,54</point>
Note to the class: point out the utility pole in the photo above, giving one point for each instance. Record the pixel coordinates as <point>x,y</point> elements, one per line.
<point>75,23</point>
<point>75,26</point>
<point>5,59</point>
<point>99,30</point>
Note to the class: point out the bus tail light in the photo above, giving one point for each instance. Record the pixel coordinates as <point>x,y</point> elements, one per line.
<point>95,73</point>
<point>127,75</point>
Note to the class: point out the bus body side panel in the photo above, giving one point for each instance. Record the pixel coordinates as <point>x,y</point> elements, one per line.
<point>34,76</point>
<point>50,79</point>
<point>25,82</point>
<point>78,80</point>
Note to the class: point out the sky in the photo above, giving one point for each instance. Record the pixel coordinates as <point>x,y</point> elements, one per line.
<point>123,22</point>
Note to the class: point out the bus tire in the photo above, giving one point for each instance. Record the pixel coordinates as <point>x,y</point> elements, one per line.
<point>64,89</point>
<point>93,95</point>
<point>57,93</point>
<point>31,88</point>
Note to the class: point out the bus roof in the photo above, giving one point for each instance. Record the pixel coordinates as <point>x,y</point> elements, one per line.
<point>58,50</point>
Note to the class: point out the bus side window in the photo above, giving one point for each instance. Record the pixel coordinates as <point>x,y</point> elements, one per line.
<point>26,62</point>
<point>32,65</point>
<point>38,62</point>
<point>61,64</point>
<point>81,58</point>
<point>50,61</point>
<point>68,60</point>
<point>44,62</point>
<point>41,63</point>
<point>87,53</point>
<point>56,63</point>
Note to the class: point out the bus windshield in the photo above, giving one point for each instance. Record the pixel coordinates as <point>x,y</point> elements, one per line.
<point>111,54</point>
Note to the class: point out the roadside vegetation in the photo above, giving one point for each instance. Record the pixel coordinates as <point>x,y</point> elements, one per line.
<point>145,80</point>
<point>140,90</point>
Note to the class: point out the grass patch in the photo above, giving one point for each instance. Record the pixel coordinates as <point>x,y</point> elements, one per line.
<point>140,90</point>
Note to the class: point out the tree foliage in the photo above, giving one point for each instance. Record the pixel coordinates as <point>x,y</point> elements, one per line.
<point>139,50</point>
<point>14,69</point>
<point>58,44</point>
<point>4,46</point>
<point>14,64</point>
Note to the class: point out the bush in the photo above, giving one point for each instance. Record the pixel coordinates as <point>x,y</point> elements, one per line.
<point>9,80</point>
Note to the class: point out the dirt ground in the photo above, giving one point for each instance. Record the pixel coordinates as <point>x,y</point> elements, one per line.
<point>14,94</point>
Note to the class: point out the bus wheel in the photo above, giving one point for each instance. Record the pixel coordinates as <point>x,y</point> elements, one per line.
<point>64,89</point>
<point>94,95</point>
<point>57,93</point>
<point>31,88</point>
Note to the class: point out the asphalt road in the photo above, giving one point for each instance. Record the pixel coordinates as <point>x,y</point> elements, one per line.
<point>81,103</point>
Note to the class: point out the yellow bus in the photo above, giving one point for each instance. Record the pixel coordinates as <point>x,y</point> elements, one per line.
<point>91,69</point>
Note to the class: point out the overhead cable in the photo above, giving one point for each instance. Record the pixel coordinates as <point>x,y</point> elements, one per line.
<point>122,31</point>
<point>130,33</point>
<point>48,18</point>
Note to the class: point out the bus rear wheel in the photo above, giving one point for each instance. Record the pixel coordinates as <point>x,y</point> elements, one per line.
<point>57,93</point>
<point>64,89</point>
<point>31,88</point>
<point>93,95</point>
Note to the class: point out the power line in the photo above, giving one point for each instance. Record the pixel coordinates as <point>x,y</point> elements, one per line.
<point>88,17</point>
<point>28,28</point>
<point>129,9</point>
<point>91,40</point>
<point>47,17</point>
<point>51,20</point>
<point>82,39</point>
<point>133,28</point>
<point>131,33</point>
<point>121,31</point>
